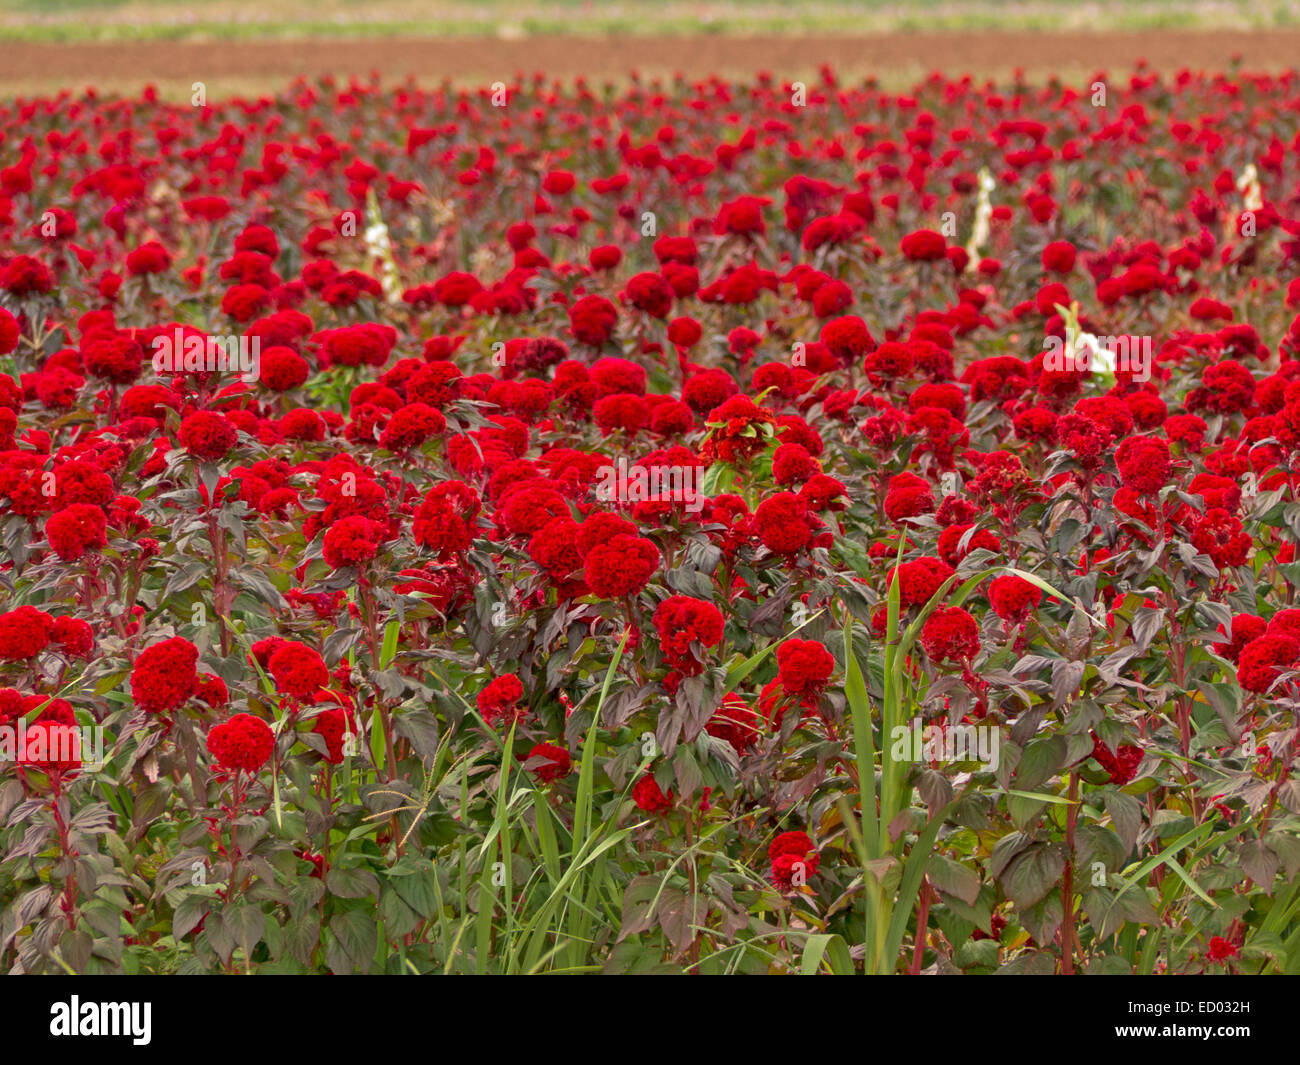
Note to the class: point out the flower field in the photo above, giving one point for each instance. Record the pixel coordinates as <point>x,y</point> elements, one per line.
<point>689,526</point>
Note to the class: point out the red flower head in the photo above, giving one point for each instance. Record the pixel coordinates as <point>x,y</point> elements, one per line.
<point>333,724</point>
<point>592,320</point>
<point>352,541</point>
<point>1059,256</point>
<point>281,369</point>
<point>1144,463</point>
<point>734,722</point>
<point>682,621</point>
<point>74,636</point>
<point>804,668</point>
<point>500,699</point>
<point>924,245</point>
<point>794,859</point>
<point>649,293</point>
<point>75,530</point>
<point>1122,764</point>
<point>551,762</point>
<point>784,524</point>
<point>1219,535</point>
<point>212,690</point>
<point>1263,659</point>
<point>950,633</point>
<point>848,339</point>
<point>950,542</point>
<point>298,670</point>
<point>207,435</point>
<point>1013,598</point>
<point>648,796</point>
<point>164,675</point>
<point>738,430</point>
<point>51,743</point>
<point>1220,949</point>
<point>621,566</point>
<point>919,579</point>
<point>244,742</point>
<point>24,633</point>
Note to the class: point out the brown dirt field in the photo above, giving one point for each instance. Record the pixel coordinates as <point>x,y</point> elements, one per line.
<point>251,66</point>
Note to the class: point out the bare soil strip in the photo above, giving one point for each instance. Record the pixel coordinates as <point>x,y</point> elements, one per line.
<point>238,66</point>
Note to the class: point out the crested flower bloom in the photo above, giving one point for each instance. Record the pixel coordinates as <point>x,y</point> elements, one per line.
<point>794,859</point>
<point>243,743</point>
<point>164,676</point>
<point>501,698</point>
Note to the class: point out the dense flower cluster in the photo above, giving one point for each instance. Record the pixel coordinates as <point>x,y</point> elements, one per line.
<point>808,455</point>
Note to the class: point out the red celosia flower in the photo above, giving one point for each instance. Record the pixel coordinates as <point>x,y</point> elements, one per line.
<point>621,567</point>
<point>682,621</point>
<point>352,541</point>
<point>907,496</point>
<point>1013,598</point>
<point>794,859</point>
<point>924,245</point>
<point>500,699</point>
<point>1244,629</point>
<point>298,670</point>
<point>164,676</point>
<point>1122,763</point>
<point>950,542</point>
<point>24,633</point>
<point>244,742</point>
<point>207,435</point>
<point>592,320</point>
<point>1263,659</point>
<point>554,762</point>
<point>1059,256</point>
<point>150,258</point>
<point>648,796</point>
<point>848,339</point>
<point>282,369</point>
<point>791,464</point>
<point>783,523</point>
<point>51,743</point>
<point>649,293</point>
<point>1219,535</point>
<point>443,522</point>
<point>1144,463</point>
<point>919,579</point>
<point>1220,949</point>
<point>74,636</point>
<point>804,668</point>
<point>738,430</point>
<point>735,722</point>
<point>212,690</point>
<point>950,633</point>
<point>333,725</point>
<point>411,426</point>
<point>75,530</point>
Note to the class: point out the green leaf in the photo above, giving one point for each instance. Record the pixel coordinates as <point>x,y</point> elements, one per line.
<point>351,883</point>
<point>953,878</point>
<point>352,946</point>
<point>1031,876</point>
<point>830,949</point>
